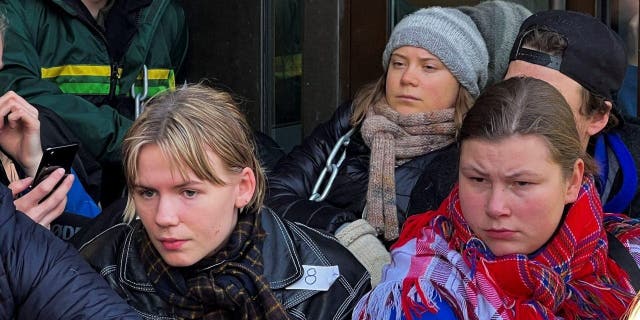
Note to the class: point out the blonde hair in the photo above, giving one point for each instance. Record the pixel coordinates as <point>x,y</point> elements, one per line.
<point>373,92</point>
<point>185,124</point>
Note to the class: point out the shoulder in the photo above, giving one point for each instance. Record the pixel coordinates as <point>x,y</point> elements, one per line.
<point>172,11</point>
<point>630,135</point>
<point>16,11</point>
<point>32,17</point>
<point>309,244</point>
<point>437,177</point>
<point>33,4</point>
<point>102,250</point>
<point>438,162</point>
<point>337,125</point>
<point>308,249</point>
<point>344,112</point>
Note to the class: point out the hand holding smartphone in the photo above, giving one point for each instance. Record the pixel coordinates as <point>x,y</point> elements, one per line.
<point>54,158</point>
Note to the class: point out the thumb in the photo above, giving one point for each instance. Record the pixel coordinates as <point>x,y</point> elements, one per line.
<point>19,186</point>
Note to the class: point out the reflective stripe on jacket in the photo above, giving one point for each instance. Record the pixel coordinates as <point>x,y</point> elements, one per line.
<point>56,58</point>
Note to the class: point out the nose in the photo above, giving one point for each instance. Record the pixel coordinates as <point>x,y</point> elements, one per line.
<point>167,213</point>
<point>497,203</point>
<point>409,77</point>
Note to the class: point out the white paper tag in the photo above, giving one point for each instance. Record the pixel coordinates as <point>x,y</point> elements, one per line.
<point>319,278</point>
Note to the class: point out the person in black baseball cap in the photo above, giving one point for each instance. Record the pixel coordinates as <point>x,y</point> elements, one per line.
<point>585,60</point>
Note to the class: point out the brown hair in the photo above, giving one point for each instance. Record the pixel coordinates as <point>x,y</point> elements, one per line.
<point>375,91</point>
<point>527,106</point>
<point>185,124</point>
<point>553,43</point>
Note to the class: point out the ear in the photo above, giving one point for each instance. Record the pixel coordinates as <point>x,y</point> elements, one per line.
<point>246,187</point>
<point>574,182</point>
<point>597,122</point>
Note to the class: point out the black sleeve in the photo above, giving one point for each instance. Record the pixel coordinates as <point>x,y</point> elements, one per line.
<point>291,184</point>
<point>50,280</point>
<point>110,216</point>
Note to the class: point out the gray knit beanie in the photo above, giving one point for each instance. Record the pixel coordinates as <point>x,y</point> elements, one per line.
<point>498,22</point>
<point>451,36</point>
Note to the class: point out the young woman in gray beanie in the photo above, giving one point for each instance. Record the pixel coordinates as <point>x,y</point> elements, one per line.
<point>404,124</point>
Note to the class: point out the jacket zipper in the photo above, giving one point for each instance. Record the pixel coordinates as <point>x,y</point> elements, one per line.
<point>113,81</point>
<point>114,75</point>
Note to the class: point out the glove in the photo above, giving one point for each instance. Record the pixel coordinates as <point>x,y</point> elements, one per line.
<point>359,237</point>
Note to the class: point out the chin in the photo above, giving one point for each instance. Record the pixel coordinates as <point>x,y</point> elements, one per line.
<point>405,110</point>
<point>179,260</point>
<point>500,251</point>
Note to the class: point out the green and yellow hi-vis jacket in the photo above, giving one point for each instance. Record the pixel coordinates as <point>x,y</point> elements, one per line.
<point>55,59</point>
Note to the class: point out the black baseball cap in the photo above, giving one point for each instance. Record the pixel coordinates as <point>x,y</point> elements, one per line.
<point>595,56</point>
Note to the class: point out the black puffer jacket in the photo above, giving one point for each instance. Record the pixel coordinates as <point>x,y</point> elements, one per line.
<point>42,277</point>
<point>289,246</point>
<point>291,184</point>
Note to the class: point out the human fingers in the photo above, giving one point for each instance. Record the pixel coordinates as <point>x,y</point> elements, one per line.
<point>18,102</point>
<point>22,113</point>
<point>19,186</point>
<point>45,211</point>
<point>13,102</point>
<point>59,194</point>
<point>28,207</point>
<point>30,202</point>
<point>47,185</point>
<point>51,214</point>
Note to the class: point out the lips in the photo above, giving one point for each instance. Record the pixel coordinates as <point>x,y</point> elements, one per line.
<point>407,97</point>
<point>500,234</point>
<point>172,244</point>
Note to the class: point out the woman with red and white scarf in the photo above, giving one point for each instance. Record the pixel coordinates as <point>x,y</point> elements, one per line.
<point>520,237</point>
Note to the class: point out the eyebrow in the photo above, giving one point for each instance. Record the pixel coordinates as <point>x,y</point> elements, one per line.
<point>522,173</point>
<point>510,176</point>
<point>470,168</point>
<point>178,186</point>
<point>432,58</point>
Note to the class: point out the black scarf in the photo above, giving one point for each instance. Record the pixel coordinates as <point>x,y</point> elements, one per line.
<point>229,285</point>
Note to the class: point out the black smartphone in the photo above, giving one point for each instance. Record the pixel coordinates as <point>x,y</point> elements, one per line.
<point>54,158</point>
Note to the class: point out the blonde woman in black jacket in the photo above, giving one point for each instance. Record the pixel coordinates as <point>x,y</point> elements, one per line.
<point>204,247</point>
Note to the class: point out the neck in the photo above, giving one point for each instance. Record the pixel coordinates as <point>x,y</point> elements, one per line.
<point>94,6</point>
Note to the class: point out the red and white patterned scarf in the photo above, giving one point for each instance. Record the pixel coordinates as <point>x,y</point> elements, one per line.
<point>571,277</point>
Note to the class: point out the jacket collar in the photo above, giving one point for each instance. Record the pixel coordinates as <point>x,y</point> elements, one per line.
<point>286,268</point>
<point>281,271</point>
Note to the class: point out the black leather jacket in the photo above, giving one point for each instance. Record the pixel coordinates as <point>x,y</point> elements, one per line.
<point>288,245</point>
<point>291,185</point>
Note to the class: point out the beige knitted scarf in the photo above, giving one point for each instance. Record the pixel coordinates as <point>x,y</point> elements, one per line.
<point>394,139</point>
